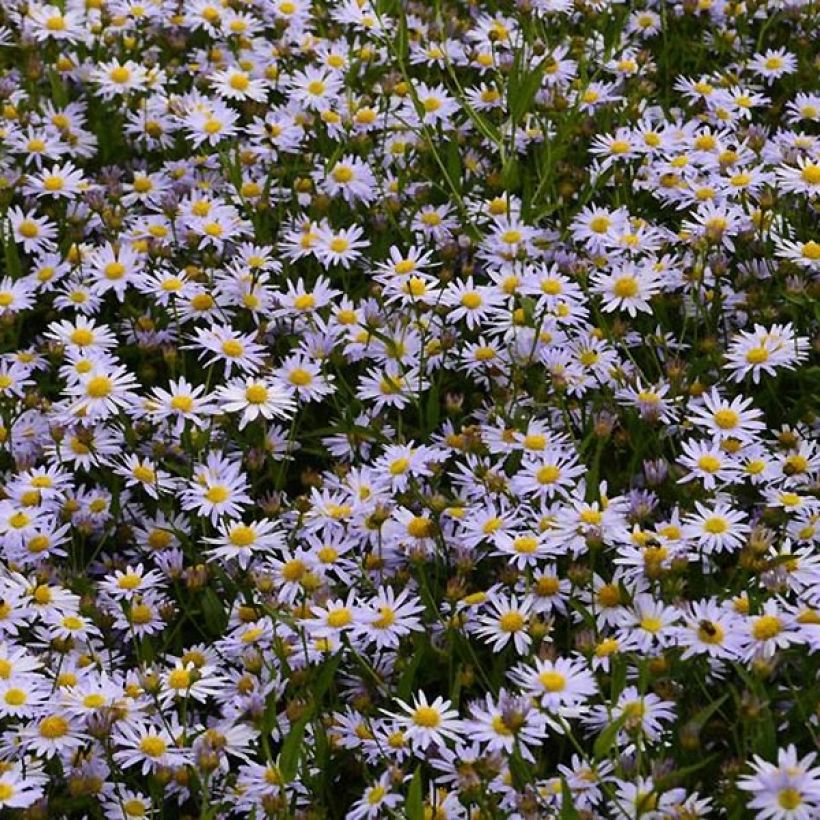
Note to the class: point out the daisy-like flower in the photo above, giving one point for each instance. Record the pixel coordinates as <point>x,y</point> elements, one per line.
<point>15,296</point>
<point>218,488</point>
<point>305,378</point>
<point>628,288</point>
<point>315,87</point>
<point>341,246</point>
<point>236,84</point>
<point>773,64</point>
<point>425,723</point>
<point>240,541</point>
<point>552,474</point>
<point>788,790</point>
<point>648,622</point>
<point>35,233</point>
<point>187,680</point>
<point>84,334</point>
<point>144,473</point>
<point>522,549</point>
<point>507,620</point>
<point>229,347</point>
<point>773,629</point>
<point>50,22</point>
<point>430,104</point>
<point>119,78</point>
<point>53,733</point>
<point>59,182</point>
<point>376,800</point>
<point>103,392</point>
<point>146,746</point>
<point>255,397</point>
<point>334,618</point>
<point>561,686</point>
<point>17,791</point>
<point>501,723</point>
<point>182,402</point>
<point>210,125</point>
<point>804,178</point>
<point>130,582</point>
<point>723,419</point>
<point>350,178</point>
<point>22,696</point>
<point>709,629</point>
<point>386,618</point>
<point>645,713</point>
<point>717,529</point>
<point>763,350</point>
<point>806,254</point>
<point>469,302</point>
<point>114,269</point>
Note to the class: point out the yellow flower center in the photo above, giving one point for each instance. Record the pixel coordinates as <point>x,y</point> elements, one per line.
<point>179,679</point>
<point>53,727</point>
<point>242,535</point>
<point>789,799</point>
<point>811,174</point>
<point>153,746</point>
<point>99,387</point>
<point>766,627</point>
<point>726,419</point>
<point>232,348</point>
<point>300,377</point>
<point>548,474</point>
<point>625,287</point>
<point>15,697</point>
<point>340,617</point>
<point>511,622</point>
<point>120,74</point>
<point>217,494</point>
<point>114,270</point>
<point>552,681</point>
<point>426,716</point>
<point>715,525</point>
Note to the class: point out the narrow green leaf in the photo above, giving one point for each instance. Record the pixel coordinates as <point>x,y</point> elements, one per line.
<point>606,740</point>
<point>453,160</point>
<point>704,714</point>
<point>568,810</point>
<point>292,748</point>
<point>10,254</point>
<point>408,677</point>
<point>414,807</point>
<point>674,778</point>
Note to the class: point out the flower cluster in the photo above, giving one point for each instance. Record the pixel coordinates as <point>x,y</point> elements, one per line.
<point>407,409</point>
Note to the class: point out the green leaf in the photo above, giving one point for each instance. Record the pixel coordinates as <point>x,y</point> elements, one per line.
<point>269,715</point>
<point>58,91</point>
<point>325,677</point>
<point>433,408</point>
<point>523,91</point>
<point>673,778</point>
<point>407,679</point>
<point>606,740</point>
<point>702,717</point>
<point>292,747</point>
<point>402,40</point>
<point>453,161</point>
<point>10,254</point>
<point>510,174</point>
<point>213,611</point>
<point>414,806</point>
<point>568,810</point>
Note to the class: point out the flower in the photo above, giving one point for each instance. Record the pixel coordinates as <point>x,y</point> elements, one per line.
<point>790,789</point>
<point>427,722</point>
